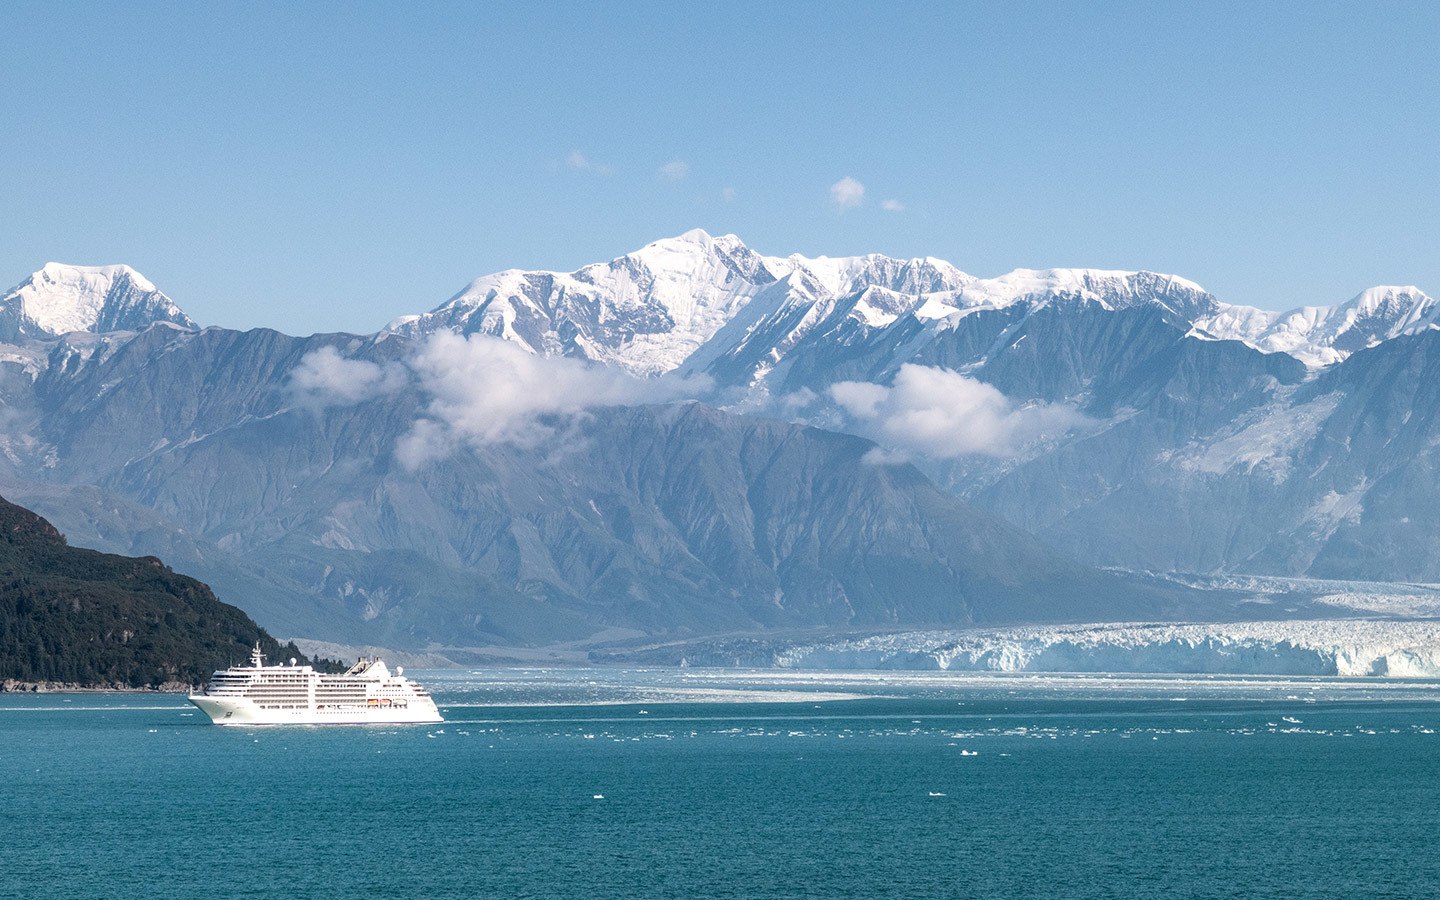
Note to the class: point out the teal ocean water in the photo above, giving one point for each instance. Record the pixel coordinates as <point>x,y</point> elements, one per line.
<point>607,783</point>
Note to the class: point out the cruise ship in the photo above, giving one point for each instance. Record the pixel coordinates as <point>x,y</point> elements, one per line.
<point>366,694</point>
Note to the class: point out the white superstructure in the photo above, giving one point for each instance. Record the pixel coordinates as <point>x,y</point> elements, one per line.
<point>367,693</point>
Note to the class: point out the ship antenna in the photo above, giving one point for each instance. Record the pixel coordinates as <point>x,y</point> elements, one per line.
<point>256,656</point>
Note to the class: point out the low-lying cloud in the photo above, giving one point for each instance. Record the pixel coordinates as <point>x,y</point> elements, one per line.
<point>940,414</point>
<point>325,378</point>
<point>486,391</point>
<point>479,391</point>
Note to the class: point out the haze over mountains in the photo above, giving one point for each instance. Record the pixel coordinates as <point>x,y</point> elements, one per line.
<point>528,461</point>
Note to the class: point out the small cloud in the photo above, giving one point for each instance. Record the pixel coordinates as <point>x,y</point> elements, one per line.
<point>795,402</point>
<point>847,193</point>
<point>674,170</point>
<point>879,456</point>
<point>582,163</point>
<point>728,195</point>
<point>941,414</point>
<point>325,378</point>
<point>892,206</point>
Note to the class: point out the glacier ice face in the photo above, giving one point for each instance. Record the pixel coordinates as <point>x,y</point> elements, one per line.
<point>1343,647</point>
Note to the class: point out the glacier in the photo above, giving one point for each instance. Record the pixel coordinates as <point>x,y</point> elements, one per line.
<point>1319,647</point>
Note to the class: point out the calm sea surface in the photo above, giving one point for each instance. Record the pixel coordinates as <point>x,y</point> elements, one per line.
<point>686,783</point>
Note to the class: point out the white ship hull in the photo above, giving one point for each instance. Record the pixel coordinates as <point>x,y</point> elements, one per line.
<point>236,711</point>
<point>366,694</point>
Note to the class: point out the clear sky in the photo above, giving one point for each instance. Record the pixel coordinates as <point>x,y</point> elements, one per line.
<point>332,167</point>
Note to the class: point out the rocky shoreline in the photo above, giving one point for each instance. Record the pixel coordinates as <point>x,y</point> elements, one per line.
<point>11,686</point>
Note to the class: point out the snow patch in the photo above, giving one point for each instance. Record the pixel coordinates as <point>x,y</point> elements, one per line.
<point>1265,440</point>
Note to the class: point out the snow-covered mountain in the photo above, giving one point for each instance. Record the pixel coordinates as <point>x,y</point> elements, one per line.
<point>1323,335</point>
<point>1196,436</point>
<point>713,305</point>
<point>59,299</point>
<point>650,311</point>
<point>1190,399</point>
<point>703,302</point>
<point>645,312</point>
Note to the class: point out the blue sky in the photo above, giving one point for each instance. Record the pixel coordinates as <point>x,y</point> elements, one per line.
<point>332,167</point>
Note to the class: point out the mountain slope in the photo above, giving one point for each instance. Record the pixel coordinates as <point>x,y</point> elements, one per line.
<point>653,519</point>
<point>86,618</point>
<point>1226,462</point>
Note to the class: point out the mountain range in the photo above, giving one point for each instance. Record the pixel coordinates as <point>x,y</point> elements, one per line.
<point>695,438</point>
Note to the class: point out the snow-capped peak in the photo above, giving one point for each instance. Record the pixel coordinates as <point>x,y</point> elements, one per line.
<point>1321,335</point>
<point>645,311</point>
<point>1111,288</point>
<point>58,273</point>
<point>842,275</point>
<point>61,298</point>
<point>653,309</point>
<point>1390,296</point>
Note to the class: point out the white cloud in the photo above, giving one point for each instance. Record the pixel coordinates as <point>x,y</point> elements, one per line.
<point>892,206</point>
<point>847,193</point>
<point>582,163</point>
<point>942,415</point>
<point>860,399</point>
<point>486,391</point>
<point>675,170</point>
<point>325,378</point>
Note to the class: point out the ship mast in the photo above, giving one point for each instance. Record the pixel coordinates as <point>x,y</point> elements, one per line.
<point>257,659</point>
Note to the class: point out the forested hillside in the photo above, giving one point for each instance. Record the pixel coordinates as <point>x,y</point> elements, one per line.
<point>85,618</point>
